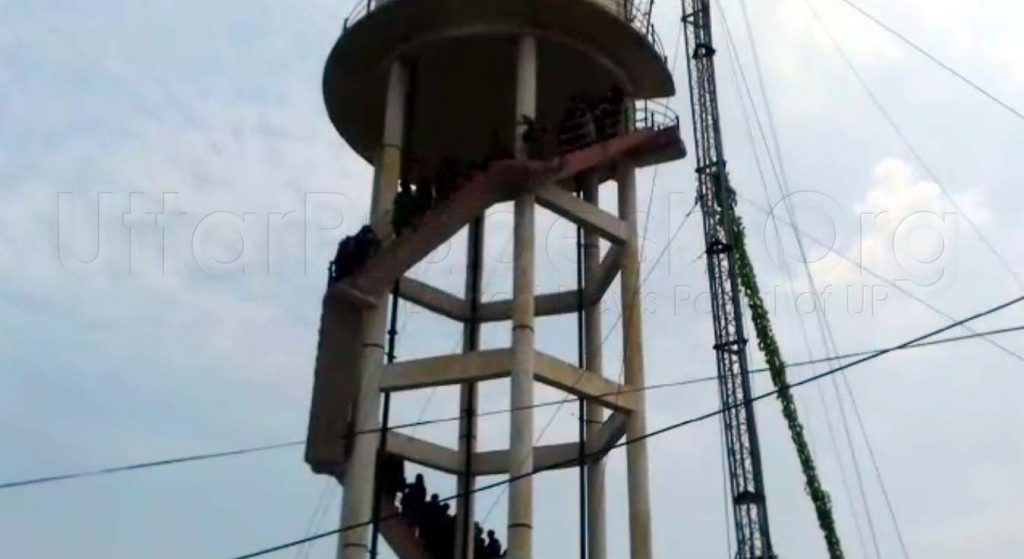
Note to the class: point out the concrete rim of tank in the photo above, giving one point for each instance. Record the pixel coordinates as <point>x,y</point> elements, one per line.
<point>353,83</point>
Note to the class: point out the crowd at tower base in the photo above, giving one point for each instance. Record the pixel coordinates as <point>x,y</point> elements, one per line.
<point>430,519</point>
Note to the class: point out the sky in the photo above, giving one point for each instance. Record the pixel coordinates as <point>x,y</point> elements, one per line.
<point>171,191</point>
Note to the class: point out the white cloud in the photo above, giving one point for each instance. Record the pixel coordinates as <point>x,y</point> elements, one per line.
<point>905,229</point>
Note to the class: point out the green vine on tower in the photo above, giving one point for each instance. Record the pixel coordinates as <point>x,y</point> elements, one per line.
<point>769,347</point>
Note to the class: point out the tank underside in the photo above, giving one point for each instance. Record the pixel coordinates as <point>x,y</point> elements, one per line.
<point>462,60</point>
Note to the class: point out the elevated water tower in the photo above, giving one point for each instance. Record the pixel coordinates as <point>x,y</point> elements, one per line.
<point>413,86</point>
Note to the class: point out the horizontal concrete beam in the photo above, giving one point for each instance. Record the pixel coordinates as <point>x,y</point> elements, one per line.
<point>547,304</point>
<point>576,210</point>
<point>424,453</point>
<point>580,382</point>
<point>556,456</point>
<point>495,462</point>
<point>562,302</point>
<point>458,368</point>
<point>433,299</point>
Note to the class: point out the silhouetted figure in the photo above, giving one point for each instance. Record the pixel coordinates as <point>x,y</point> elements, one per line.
<point>447,179</point>
<point>533,136</point>
<point>430,524</point>
<point>424,199</point>
<point>366,245</point>
<point>608,115</point>
<point>577,129</point>
<point>588,124</point>
<point>344,259</point>
<point>404,212</point>
<point>492,549</point>
<point>414,499</point>
<point>567,129</point>
<point>479,545</point>
<point>392,476</point>
<point>446,533</point>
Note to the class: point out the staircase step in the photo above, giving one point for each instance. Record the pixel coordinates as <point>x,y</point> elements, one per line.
<point>401,537</point>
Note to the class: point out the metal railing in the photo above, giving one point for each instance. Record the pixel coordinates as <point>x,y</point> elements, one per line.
<point>594,127</point>
<point>361,8</point>
<point>654,115</point>
<point>636,14</point>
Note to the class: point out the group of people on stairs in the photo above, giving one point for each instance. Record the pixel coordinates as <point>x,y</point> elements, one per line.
<point>586,120</point>
<point>412,201</point>
<point>431,519</point>
<point>353,252</point>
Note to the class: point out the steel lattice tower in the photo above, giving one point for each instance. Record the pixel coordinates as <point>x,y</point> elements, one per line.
<point>742,447</point>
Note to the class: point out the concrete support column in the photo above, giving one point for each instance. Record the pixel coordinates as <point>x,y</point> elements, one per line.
<point>633,363</point>
<point>357,503</point>
<point>468,397</point>
<point>526,89</point>
<point>592,336</point>
<point>520,498</point>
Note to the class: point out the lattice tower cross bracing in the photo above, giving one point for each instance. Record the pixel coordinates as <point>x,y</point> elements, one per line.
<point>746,483</point>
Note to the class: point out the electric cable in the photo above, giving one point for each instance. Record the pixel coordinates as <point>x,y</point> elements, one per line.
<point>487,280</point>
<point>582,364</point>
<point>316,518</point>
<point>739,75</point>
<point>649,387</point>
<point>604,338</point>
<point>670,427</point>
<point>825,330</point>
<point>903,38</point>
<point>1003,261</point>
<point>871,272</point>
<point>654,176</point>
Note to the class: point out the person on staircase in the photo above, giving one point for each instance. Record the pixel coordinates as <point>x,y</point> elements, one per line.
<point>366,245</point>
<point>533,136</point>
<point>609,113</point>
<point>568,129</point>
<point>424,198</point>
<point>577,129</point>
<point>392,476</point>
<point>429,522</point>
<point>404,212</point>
<point>479,544</point>
<point>413,499</point>
<point>492,549</point>
<point>342,265</point>
<point>446,533</point>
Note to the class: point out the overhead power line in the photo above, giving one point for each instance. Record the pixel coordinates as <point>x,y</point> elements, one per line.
<point>152,464</point>
<point>661,431</point>
<point>824,327</point>
<point>741,79</point>
<point>650,387</point>
<point>905,40</point>
<point>887,116</point>
<point>873,273</point>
